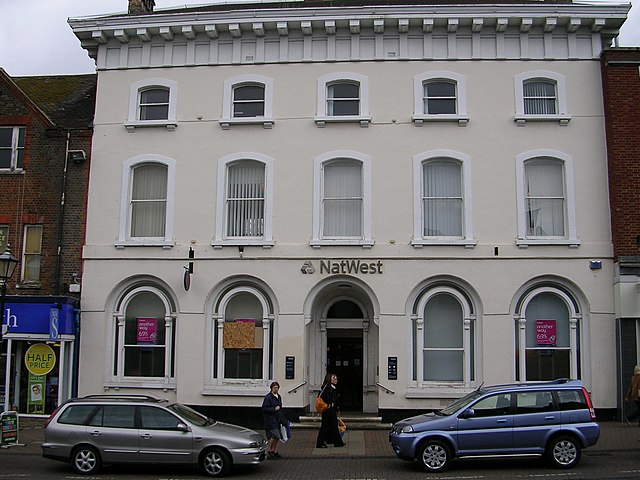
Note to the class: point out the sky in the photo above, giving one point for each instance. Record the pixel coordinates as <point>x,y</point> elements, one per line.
<point>35,38</point>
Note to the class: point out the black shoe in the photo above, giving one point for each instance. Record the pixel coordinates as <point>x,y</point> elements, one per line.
<point>271,455</point>
<point>340,445</point>
<point>277,455</point>
<point>321,446</point>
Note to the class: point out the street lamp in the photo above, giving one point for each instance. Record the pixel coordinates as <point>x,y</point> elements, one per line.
<point>8,264</point>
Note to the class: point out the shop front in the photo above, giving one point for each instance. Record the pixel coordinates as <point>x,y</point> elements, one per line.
<point>38,353</point>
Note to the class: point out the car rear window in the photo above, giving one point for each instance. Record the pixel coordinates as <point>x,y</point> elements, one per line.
<point>571,400</point>
<point>76,414</point>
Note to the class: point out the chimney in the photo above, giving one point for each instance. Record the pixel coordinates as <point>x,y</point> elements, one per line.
<point>141,7</point>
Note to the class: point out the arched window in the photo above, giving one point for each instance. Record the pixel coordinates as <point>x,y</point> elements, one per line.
<point>144,336</point>
<point>540,96</point>
<point>442,204</point>
<point>342,199</point>
<point>443,337</point>
<point>243,336</point>
<point>548,334</point>
<point>244,208</point>
<point>152,103</point>
<point>247,99</point>
<point>440,96</point>
<point>343,97</point>
<point>545,201</point>
<point>146,211</point>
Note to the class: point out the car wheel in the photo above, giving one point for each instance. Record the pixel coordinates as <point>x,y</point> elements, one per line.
<point>434,456</point>
<point>215,462</point>
<point>563,452</point>
<point>85,460</point>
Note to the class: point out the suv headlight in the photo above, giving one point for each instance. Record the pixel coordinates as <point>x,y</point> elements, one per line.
<point>406,429</point>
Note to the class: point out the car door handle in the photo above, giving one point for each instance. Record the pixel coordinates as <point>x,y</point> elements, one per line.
<point>96,433</point>
<point>501,420</point>
<point>550,417</point>
<point>146,436</point>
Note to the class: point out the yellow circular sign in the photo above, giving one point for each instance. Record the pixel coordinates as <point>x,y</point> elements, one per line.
<point>40,359</point>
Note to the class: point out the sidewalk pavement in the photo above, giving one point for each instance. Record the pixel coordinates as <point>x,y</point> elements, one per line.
<point>614,436</point>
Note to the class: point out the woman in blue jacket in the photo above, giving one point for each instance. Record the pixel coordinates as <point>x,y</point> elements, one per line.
<point>271,413</point>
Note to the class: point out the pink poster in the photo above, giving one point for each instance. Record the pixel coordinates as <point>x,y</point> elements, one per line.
<point>147,331</point>
<point>545,332</point>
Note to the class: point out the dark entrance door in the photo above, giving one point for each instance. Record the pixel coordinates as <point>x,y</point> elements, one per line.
<point>344,358</point>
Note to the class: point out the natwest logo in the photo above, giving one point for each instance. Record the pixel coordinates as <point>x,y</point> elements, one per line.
<point>344,266</point>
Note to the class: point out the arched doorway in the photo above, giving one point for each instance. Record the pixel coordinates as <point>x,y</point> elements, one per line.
<point>342,336</point>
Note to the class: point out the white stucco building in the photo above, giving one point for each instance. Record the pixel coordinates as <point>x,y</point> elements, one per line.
<point>410,194</point>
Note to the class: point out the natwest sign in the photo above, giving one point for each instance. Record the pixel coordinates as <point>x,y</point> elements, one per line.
<point>343,267</point>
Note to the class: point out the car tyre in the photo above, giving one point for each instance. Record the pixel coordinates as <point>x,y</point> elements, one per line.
<point>564,452</point>
<point>86,460</point>
<point>434,456</point>
<point>215,462</point>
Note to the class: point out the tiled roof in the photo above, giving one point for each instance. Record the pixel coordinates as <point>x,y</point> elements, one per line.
<point>69,100</point>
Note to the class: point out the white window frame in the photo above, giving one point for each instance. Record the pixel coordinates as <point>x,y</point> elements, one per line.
<point>15,136</point>
<point>230,84</point>
<point>366,240</point>
<point>220,240</point>
<point>322,116</point>
<point>124,238</point>
<point>418,239</point>
<point>419,116</point>
<point>25,255</point>
<point>216,383</point>
<point>575,318</point>
<point>562,116</point>
<point>571,237</point>
<point>133,119</point>
<point>117,351</point>
<point>469,321</point>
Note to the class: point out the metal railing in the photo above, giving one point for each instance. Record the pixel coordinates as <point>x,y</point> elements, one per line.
<point>295,389</point>
<point>386,389</point>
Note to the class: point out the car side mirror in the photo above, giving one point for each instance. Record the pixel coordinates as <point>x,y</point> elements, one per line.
<point>468,413</point>
<point>182,427</point>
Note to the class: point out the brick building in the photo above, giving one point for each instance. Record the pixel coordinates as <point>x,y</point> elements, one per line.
<point>621,86</point>
<point>46,127</point>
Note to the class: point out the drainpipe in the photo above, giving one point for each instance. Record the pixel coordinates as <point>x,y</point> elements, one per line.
<point>61,215</point>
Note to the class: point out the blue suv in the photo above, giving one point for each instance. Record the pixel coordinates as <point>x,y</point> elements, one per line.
<point>553,419</point>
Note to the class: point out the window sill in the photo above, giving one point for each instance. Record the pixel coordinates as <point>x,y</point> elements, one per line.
<point>321,121</point>
<point>244,390</point>
<point>28,286</point>
<point>266,122</point>
<point>526,242</point>
<point>166,244</point>
<point>442,241</point>
<point>562,119</point>
<point>437,390</point>
<point>11,171</point>
<point>169,124</point>
<point>319,243</point>
<point>242,242</point>
<point>419,120</point>
<point>123,384</point>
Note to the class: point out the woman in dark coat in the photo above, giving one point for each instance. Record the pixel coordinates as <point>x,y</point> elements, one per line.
<point>329,431</point>
<point>271,413</point>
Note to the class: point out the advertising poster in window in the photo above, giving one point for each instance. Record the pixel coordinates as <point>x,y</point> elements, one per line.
<point>147,331</point>
<point>36,395</point>
<point>546,332</point>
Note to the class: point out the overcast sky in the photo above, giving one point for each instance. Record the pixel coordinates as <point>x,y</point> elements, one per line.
<point>35,38</point>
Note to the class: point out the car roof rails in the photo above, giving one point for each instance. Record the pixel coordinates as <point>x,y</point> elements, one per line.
<point>105,396</point>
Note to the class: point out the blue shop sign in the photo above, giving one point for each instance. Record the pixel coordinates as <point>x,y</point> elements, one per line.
<point>52,319</point>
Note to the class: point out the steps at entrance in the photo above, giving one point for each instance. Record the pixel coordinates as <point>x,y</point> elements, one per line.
<point>353,421</point>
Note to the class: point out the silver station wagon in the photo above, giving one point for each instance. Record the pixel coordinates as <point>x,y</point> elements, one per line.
<point>95,430</point>
<point>554,419</point>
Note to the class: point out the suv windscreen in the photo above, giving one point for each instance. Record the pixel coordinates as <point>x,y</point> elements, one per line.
<point>458,404</point>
